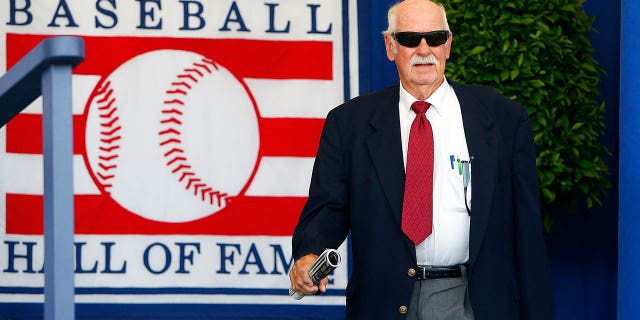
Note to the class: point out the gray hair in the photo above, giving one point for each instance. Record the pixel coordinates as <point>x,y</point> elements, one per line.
<point>392,15</point>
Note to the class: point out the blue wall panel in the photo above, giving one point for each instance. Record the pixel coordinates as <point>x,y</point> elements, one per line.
<point>629,248</point>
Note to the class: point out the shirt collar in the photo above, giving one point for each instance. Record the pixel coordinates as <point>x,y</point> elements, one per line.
<point>436,99</point>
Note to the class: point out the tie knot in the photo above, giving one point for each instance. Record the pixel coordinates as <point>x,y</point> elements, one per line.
<point>420,107</point>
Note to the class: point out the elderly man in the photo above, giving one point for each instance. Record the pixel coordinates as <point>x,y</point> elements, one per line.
<point>396,168</point>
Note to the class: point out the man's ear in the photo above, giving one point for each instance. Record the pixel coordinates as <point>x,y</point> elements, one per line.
<point>389,44</point>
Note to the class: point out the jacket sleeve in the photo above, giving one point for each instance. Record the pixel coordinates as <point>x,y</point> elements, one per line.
<point>324,221</point>
<point>534,276</point>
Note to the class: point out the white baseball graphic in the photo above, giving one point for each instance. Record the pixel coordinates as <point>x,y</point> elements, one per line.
<point>179,144</point>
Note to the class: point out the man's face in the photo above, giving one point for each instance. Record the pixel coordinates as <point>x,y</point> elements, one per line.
<point>426,71</point>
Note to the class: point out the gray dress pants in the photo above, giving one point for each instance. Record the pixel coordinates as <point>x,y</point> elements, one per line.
<point>441,299</point>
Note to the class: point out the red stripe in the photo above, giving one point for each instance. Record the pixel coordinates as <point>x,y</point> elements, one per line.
<point>245,58</point>
<point>288,136</point>
<point>24,134</point>
<point>292,137</point>
<point>99,214</point>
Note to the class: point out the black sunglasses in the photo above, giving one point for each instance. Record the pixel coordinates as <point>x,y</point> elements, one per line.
<point>412,39</point>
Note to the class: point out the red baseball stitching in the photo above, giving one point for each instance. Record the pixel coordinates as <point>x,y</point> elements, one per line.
<point>109,133</point>
<point>170,132</point>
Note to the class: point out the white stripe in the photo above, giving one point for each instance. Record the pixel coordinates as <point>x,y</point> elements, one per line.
<point>282,176</point>
<point>3,214</point>
<point>276,176</point>
<point>353,58</point>
<point>22,298</point>
<point>212,299</point>
<point>23,174</point>
<point>82,86</point>
<point>182,298</point>
<point>3,53</point>
<point>3,181</point>
<point>300,99</point>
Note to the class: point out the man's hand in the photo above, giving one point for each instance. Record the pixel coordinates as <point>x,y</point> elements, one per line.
<point>300,280</point>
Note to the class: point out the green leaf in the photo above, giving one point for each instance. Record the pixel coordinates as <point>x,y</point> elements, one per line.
<point>589,67</point>
<point>564,122</point>
<point>577,126</point>
<point>584,164</point>
<point>477,50</point>
<point>541,119</point>
<point>522,21</point>
<point>569,8</point>
<point>548,194</point>
<point>520,59</point>
<point>514,74</point>
<point>504,75</point>
<point>536,83</point>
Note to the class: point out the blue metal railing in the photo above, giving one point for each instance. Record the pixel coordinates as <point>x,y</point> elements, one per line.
<point>46,71</point>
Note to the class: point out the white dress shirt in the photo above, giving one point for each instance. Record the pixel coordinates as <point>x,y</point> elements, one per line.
<point>448,243</point>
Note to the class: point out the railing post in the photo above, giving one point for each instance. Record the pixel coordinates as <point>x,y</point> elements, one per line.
<point>57,131</point>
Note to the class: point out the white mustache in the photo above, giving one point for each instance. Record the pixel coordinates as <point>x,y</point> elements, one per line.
<point>430,59</point>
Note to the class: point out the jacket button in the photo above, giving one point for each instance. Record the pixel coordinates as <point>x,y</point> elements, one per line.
<point>402,309</point>
<point>411,272</point>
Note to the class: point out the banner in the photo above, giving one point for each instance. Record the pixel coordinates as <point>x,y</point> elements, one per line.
<point>195,129</point>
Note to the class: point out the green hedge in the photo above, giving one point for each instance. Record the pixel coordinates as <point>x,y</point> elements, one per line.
<point>539,54</point>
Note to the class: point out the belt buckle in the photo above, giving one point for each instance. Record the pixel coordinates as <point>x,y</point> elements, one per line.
<point>429,272</point>
<point>423,273</point>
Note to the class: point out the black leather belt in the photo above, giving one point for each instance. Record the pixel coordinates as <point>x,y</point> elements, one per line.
<point>428,272</point>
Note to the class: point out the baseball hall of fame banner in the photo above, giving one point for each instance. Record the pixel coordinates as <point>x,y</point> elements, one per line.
<point>196,124</point>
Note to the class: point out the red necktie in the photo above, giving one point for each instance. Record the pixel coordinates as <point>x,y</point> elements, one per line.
<point>417,205</point>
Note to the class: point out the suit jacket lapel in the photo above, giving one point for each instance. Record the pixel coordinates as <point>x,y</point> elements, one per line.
<point>482,142</point>
<point>385,149</point>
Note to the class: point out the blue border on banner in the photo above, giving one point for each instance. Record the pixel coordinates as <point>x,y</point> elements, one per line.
<point>345,49</point>
<point>29,311</point>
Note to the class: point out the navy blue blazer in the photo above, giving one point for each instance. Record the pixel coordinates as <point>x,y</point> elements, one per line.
<point>357,186</point>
